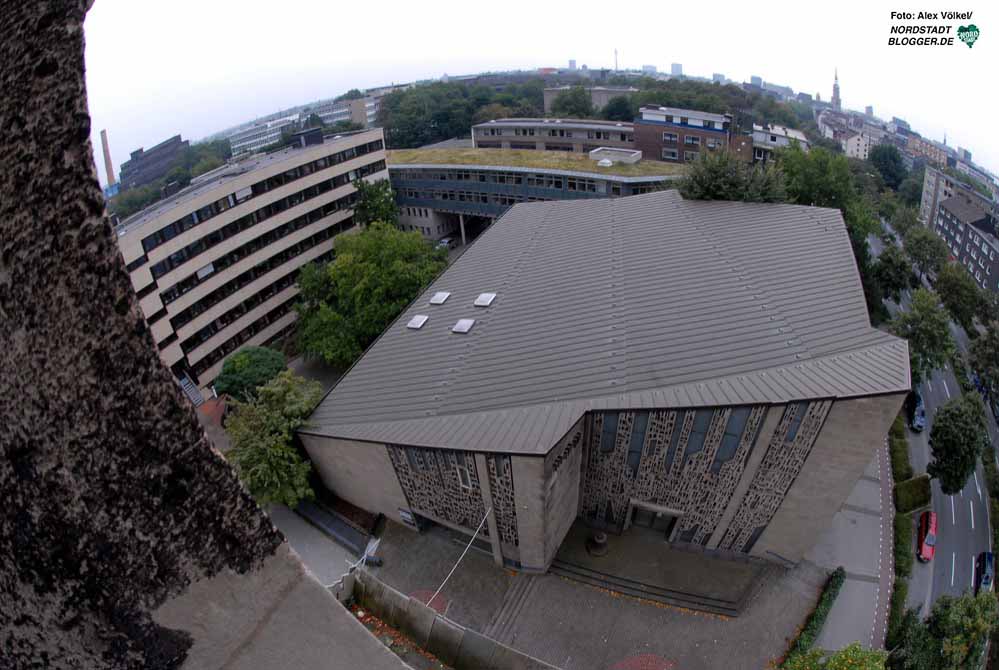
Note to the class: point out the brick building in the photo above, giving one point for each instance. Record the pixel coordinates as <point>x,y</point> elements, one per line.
<point>680,135</point>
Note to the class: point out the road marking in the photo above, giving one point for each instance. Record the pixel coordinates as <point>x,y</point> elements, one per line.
<point>971,508</point>
<point>952,520</point>
<point>946,390</point>
<point>972,572</point>
<point>953,557</point>
<point>930,384</point>
<point>979,488</point>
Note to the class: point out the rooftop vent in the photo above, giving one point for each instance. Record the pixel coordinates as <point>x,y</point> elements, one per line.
<point>605,162</point>
<point>463,326</point>
<point>440,297</point>
<point>485,299</point>
<point>417,321</point>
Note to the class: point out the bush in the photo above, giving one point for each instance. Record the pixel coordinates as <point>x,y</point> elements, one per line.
<point>813,625</point>
<point>898,449</point>
<point>246,370</point>
<point>961,371</point>
<point>896,612</point>
<point>912,494</point>
<point>903,545</point>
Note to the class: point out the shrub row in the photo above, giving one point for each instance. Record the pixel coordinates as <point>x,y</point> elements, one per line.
<point>896,612</point>
<point>904,553</point>
<point>813,625</point>
<point>898,449</point>
<point>912,494</point>
<point>961,372</point>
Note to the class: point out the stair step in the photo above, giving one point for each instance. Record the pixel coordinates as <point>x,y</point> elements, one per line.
<point>645,591</point>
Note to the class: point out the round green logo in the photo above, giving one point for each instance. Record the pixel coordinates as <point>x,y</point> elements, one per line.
<point>968,34</point>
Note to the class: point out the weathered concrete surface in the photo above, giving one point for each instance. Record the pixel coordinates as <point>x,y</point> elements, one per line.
<point>112,502</point>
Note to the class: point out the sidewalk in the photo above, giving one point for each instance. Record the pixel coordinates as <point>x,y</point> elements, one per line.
<point>860,540</point>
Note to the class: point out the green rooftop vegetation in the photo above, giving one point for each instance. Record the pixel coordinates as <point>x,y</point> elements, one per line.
<point>526,158</point>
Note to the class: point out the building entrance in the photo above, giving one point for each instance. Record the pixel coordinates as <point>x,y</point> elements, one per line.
<point>658,522</point>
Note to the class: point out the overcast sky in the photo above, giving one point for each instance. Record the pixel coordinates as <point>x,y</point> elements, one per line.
<point>155,69</point>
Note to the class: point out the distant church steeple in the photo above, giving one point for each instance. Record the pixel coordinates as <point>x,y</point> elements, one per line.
<point>837,105</point>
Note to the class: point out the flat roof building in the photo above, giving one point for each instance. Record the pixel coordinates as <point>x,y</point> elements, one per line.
<point>679,135</point>
<point>146,166</point>
<point>769,138</point>
<point>579,135</point>
<point>602,363</point>
<point>215,265</point>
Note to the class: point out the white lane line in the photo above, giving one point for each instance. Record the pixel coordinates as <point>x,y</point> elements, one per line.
<point>929,384</point>
<point>977,487</point>
<point>953,557</point>
<point>972,572</point>
<point>946,390</point>
<point>946,367</point>
<point>953,522</point>
<point>971,508</point>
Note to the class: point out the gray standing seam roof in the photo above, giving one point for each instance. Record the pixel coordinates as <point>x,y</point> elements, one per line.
<point>637,302</point>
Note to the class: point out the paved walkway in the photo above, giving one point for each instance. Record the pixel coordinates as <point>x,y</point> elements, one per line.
<point>860,540</point>
<point>320,554</point>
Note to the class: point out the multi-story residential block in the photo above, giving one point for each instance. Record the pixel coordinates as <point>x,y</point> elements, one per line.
<point>146,166</point>
<point>939,186</point>
<point>968,231</point>
<point>599,95</point>
<point>259,136</point>
<point>680,135</point>
<point>439,190</point>
<point>579,135</point>
<point>931,151</point>
<point>643,366</point>
<point>769,138</point>
<point>363,111</point>
<point>215,265</point>
<point>857,144</point>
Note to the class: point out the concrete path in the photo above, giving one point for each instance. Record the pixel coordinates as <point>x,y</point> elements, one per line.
<point>859,539</point>
<point>320,554</point>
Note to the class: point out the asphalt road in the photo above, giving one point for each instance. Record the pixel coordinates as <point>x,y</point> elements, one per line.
<point>963,524</point>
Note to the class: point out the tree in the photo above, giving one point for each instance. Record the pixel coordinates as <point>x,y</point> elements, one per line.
<point>247,369</point>
<point>926,250</point>
<point>904,220</point>
<point>492,111</point>
<point>984,360</point>
<point>375,202</point>
<point>893,272</point>
<point>574,102</point>
<point>818,178</point>
<point>352,94</point>
<point>961,626</point>
<point>618,108</point>
<point>347,303</point>
<point>722,175</point>
<point>925,326</point>
<point>916,649</point>
<point>888,161</point>
<point>956,441</point>
<point>911,188</point>
<point>959,293</point>
<point>261,432</point>
<point>851,657</point>
<point>314,121</point>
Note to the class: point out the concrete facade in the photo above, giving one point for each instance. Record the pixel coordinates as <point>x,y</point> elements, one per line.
<point>576,135</point>
<point>146,166</point>
<point>215,265</point>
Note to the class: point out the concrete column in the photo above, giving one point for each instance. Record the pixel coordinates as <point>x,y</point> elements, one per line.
<point>461,223</point>
<point>487,499</point>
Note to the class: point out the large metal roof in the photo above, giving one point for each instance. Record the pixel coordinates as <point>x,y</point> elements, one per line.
<point>644,301</point>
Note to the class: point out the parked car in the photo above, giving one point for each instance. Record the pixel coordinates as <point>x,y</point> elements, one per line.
<point>985,572</point>
<point>917,411</point>
<point>926,538</point>
<point>446,243</point>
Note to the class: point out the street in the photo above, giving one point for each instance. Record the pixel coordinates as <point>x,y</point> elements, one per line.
<point>963,524</point>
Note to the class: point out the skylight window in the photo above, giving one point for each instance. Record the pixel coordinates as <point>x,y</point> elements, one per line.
<point>417,321</point>
<point>440,297</point>
<point>463,326</point>
<point>485,299</point>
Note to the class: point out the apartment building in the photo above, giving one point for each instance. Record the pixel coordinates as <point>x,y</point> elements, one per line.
<point>966,230</point>
<point>146,166</point>
<point>931,151</point>
<point>680,135</point>
<point>215,265</point>
<point>578,135</point>
<point>770,138</point>
<point>939,186</point>
<point>363,111</point>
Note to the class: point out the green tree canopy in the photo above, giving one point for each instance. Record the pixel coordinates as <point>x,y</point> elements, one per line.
<point>985,359</point>
<point>888,161</point>
<point>722,175</point>
<point>574,102</point>
<point>375,202</point>
<point>618,108</point>
<point>925,326</point>
<point>347,303</point>
<point>911,188</point>
<point>261,432</point>
<point>818,177</point>
<point>905,220</point>
<point>956,441</point>
<point>851,657</point>
<point>352,94</point>
<point>314,121</point>
<point>493,110</point>
<point>961,626</point>
<point>248,368</point>
<point>926,250</point>
<point>959,293</point>
<point>893,271</point>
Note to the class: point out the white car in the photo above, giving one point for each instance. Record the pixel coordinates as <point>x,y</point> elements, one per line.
<point>446,243</point>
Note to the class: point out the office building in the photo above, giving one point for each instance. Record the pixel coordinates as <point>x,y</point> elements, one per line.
<point>599,95</point>
<point>146,166</point>
<point>261,135</point>
<point>679,135</point>
<point>447,192</point>
<point>676,69</point>
<point>215,265</point>
<point>701,373</point>
<point>756,81</point>
<point>578,135</point>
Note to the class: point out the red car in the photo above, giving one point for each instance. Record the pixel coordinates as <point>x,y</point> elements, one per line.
<point>926,539</point>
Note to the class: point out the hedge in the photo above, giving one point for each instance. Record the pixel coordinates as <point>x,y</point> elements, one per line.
<point>896,612</point>
<point>903,545</point>
<point>912,494</point>
<point>898,449</point>
<point>961,372</point>
<point>813,625</point>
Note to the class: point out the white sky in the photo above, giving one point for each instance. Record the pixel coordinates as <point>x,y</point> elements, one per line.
<point>155,69</point>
